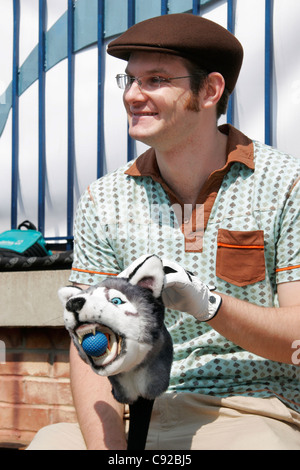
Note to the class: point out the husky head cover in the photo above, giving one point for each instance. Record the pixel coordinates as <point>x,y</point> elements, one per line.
<point>130,312</point>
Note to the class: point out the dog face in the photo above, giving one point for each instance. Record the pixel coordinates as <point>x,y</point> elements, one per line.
<point>129,311</point>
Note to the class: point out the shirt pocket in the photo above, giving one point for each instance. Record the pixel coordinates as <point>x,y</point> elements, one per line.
<point>240,256</point>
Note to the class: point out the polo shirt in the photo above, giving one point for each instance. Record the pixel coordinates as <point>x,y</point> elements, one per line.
<point>243,236</point>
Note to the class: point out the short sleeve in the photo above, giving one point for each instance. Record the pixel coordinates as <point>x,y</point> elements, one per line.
<point>94,258</point>
<point>288,246</point>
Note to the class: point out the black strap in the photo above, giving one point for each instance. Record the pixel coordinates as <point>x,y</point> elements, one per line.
<point>140,415</point>
<point>27,224</point>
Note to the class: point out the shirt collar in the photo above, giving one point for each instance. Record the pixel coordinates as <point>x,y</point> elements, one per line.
<point>239,149</point>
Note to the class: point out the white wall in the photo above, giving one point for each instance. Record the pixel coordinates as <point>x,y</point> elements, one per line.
<point>249,110</point>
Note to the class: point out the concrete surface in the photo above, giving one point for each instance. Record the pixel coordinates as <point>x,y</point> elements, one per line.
<point>29,298</point>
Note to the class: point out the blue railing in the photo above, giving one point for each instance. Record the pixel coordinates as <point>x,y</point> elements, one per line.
<point>100,5</point>
<point>268,71</point>
<point>15,115</point>
<point>42,110</point>
<point>71,135</point>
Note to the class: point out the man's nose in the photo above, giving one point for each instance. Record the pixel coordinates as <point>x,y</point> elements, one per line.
<point>134,92</point>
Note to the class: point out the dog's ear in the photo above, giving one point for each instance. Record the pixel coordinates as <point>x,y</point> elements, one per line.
<point>65,293</point>
<point>149,274</point>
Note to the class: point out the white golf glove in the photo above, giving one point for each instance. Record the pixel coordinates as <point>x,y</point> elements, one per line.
<point>183,291</point>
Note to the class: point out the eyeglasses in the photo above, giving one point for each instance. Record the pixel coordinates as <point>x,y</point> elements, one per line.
<point>146,82</point>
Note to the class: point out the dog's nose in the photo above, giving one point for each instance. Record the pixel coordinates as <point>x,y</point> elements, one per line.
<point>75,305</point>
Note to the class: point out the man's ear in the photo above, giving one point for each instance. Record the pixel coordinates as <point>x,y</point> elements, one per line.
<point>212,90</point>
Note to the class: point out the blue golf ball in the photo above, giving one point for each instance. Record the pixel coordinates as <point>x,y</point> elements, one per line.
<point>95,345</point>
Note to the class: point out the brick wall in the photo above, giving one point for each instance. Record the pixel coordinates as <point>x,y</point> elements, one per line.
<point>34,383</point>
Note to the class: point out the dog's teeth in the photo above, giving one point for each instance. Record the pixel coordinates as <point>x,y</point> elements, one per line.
<point>86,331</point>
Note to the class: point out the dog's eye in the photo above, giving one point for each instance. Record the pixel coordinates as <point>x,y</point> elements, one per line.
<point>117,301</point>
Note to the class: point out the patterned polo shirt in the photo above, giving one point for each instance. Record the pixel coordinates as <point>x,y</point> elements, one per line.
<point>243,236</point>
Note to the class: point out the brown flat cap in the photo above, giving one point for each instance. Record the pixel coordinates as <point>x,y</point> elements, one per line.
<point>202,41</point>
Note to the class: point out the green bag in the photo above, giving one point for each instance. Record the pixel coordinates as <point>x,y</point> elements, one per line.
<point>26,243</point>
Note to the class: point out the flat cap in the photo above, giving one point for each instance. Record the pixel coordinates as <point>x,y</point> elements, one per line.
<point>200,40</point>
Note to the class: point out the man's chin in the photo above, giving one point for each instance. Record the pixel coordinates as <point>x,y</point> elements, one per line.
<point>147,138</point>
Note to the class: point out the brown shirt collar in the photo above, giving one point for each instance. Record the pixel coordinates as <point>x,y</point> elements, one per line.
<point>239,149</point>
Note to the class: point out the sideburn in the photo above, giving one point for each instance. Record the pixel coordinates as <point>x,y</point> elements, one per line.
<point>192,103</point>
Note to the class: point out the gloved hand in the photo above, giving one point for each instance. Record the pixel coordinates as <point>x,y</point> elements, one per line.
<point>183,291</point>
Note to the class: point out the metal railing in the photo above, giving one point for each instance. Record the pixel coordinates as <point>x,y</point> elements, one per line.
<point>131,10</point>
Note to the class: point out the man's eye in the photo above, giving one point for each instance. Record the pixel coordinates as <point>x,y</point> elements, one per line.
<point>157,80</point>
<point>117,301</point>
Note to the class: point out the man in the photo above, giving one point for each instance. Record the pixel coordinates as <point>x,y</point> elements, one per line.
<point>232,209</point>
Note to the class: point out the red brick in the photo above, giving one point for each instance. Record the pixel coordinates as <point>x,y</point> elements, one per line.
<point>34,382</point>
<point>35,391</point>
<point>63,414</point>
<point>47,392</point>
<point>37,338</point>
<point>24,417</point>
<point>12,337</point>
<point>47,338</point>
<point>11,389</point>
<point>61,365</point>
<point>60,338</point>
<point>26,363</point>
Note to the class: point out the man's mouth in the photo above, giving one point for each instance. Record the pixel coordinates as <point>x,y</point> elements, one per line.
<point>114,345</point>
<point>145,114</point>
<point>142,114</point>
